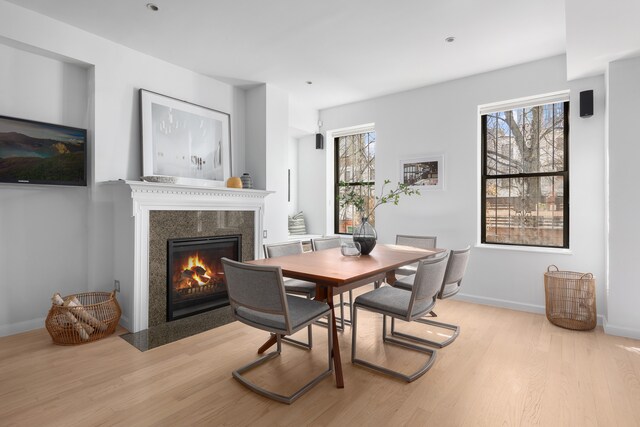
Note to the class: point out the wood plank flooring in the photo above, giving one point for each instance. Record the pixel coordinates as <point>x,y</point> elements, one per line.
<point>507,368</point>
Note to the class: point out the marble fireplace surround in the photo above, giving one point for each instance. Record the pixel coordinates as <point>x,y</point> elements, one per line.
<point>164,211</point>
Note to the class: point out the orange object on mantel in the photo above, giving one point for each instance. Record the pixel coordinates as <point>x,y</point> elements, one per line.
<point>234,182</point>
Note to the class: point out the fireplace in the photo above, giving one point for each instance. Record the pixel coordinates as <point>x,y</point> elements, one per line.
<point>195,279</point>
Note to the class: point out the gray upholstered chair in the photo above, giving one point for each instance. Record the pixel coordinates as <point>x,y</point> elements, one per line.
<point>422,242</point>
<point>400,304</point>
<point>293,286</point>
<point>322,243</point>
<point>456,268</point>
<point>258,298</point>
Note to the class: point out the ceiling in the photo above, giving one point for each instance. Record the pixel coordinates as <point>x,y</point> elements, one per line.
<point>350,49</point>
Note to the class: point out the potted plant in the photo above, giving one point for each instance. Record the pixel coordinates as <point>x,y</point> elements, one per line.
<point>364,233</point>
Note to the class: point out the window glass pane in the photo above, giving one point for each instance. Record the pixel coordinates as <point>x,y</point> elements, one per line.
<point>348,216</point>
<point>526,140</point>
<point>525,211</point>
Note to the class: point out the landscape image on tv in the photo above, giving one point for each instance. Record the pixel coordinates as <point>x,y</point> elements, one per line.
<point>41,153</point>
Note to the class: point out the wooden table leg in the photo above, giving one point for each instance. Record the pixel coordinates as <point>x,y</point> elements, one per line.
<point>271,341</point>
<point>391,277</point>
<point>337,363</point>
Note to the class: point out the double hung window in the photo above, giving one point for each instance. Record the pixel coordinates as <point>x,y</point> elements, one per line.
<point>354,170</point>
<point>525,176</point>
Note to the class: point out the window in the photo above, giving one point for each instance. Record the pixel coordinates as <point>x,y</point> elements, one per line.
<point>355,169</point>
<point>525,176</point>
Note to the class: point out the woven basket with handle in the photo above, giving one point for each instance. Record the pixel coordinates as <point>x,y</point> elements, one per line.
<point>570,299</point>
<point>96,318</point>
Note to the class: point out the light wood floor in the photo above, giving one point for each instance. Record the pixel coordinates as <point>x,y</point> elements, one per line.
<point>506,368</point>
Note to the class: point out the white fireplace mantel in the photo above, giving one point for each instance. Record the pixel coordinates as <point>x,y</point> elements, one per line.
<point>148,197</point>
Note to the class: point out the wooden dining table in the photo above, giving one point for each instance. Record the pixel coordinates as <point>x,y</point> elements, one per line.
<point>334,273</point>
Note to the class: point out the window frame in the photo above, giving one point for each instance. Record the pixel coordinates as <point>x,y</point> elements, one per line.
<point>336,174</point>
<point>484,176</point>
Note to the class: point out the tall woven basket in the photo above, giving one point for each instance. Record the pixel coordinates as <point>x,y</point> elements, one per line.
<point>96,317</point>
<point>570,299</point>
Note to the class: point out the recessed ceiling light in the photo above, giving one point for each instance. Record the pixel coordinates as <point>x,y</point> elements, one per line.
<point>152,7</point>
<point>309,82</point>
<point>450,39</point>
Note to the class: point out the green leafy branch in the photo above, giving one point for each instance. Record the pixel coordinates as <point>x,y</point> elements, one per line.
<point>353,197</point>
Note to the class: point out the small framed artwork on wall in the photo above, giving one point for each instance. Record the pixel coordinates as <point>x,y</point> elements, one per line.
<point>184,141</point>
<point>425,172</point>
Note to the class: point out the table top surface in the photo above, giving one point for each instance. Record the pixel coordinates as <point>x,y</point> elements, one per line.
<point>330,267</point>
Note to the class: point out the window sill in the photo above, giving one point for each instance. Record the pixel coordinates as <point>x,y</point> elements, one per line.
<point>556,251</point>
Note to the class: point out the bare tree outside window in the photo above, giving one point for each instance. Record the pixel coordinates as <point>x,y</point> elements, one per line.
<point>355,169</point>
<point>525,176</point>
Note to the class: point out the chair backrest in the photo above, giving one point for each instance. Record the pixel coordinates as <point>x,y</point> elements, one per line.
<point>422,242</point>
<point>273,250</point>
<point>255,287</point>
<point>326,243</point>
<point>456,267</point>
<point>428,280</point>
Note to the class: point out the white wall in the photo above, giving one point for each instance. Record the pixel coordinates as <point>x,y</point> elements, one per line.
<point>267,153</point>
<point>80,222</point>
<point>292,166</point>
<point>623,317</point>
<point>256,135</point>
<point>277,143</point>
<point>312,173</point>
<point>444,119</point>
<point>36,221</point>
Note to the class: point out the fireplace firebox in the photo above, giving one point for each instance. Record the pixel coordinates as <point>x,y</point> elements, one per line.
<point>195,279</point>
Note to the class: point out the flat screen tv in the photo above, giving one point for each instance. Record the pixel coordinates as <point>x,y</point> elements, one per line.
<point>42,153</point>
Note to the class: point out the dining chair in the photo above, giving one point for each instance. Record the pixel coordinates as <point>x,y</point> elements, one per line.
<point>322,243</point>
<point>422,242</point>
<point>258,298</point>
<point>399,304</point>
<point>456,268</point>
<point>293,286</point>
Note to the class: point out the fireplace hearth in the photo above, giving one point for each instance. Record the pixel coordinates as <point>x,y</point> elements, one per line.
<point>195,278</point>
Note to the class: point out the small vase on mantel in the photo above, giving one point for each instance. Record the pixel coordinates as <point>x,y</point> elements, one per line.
<point>247,182</point>
<point>366,235</point>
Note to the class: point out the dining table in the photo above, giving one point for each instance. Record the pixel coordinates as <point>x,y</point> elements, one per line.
<point>334,273</point>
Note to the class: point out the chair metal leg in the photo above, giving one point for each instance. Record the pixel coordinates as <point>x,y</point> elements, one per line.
<point>408,378</point>
<point>438,344</point>
<point>237,374</point>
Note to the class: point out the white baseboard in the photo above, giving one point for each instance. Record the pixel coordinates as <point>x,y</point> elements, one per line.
<point>30,325</point>
<point>16,328</point>
<point>495,302</point>
<point>125,323</point>
<point>513,305</point>
<point>620,331</point>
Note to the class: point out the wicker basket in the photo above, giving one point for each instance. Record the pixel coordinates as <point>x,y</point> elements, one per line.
<point>570,299</point>
<point>96,318</point>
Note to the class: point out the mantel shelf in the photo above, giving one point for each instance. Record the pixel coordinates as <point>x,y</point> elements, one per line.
<point>164,188</point>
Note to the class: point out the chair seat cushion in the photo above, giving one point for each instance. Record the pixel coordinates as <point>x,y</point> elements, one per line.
<point>300,287</point>
<point>393,301</point>
<point>301,311</point>
<point>405,283</point>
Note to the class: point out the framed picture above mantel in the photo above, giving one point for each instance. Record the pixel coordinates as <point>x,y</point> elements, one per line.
<point>426,172</point>
<point>187,142</point>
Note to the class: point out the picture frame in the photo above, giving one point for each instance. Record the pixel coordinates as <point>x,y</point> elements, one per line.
<point>184,143</point>
<point>425,173</point>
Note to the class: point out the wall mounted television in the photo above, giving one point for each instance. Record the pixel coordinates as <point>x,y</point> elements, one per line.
<point>42,153</point>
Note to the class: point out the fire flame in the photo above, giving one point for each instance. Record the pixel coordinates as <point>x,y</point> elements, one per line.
<point>196,270</point>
